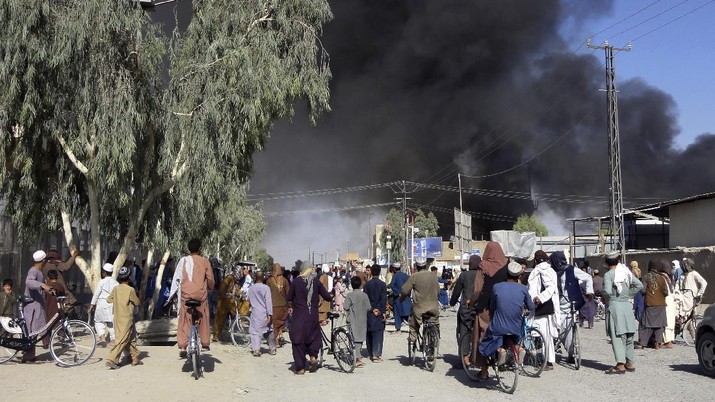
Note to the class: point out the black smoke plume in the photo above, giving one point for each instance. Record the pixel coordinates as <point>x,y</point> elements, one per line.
<point>425,89</point>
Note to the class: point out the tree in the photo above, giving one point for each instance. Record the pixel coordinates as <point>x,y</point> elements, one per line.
<point>395,227</point>
<point>263,260</point>
<point>428,224</point>
<point>90,130</point>
<point>526,223</point>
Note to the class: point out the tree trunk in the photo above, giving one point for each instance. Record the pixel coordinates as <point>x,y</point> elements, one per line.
<point>89,273</point>
<point>145,279</point>
<point>157,285</point>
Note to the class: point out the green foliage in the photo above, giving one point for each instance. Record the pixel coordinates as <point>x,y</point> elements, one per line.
<point>526,223</point>
<point>263,260</point>
<point>395,226</point>
<point>90,125</point>
<point>427,224</point>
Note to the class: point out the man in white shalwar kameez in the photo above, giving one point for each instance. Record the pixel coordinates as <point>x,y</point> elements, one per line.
<point>543,288</point>
<point>103,311</point>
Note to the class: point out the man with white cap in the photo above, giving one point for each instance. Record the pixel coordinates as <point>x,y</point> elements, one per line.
<point>104,313</point>
<point>507,303</point>
<point>35,311</point>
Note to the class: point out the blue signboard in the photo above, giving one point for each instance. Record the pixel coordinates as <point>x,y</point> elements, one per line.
<point>429,247</point>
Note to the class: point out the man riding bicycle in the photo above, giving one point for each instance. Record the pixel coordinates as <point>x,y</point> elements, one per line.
<point>193,278</point>
<point>425,292</point>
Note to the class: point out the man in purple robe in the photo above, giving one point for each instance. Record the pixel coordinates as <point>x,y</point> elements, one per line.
<point>303,298</point>
<point>35,311</point>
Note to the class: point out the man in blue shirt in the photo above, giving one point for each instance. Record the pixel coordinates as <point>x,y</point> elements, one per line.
<point>507,306</point>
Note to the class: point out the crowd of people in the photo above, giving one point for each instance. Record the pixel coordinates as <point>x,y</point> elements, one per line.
<point>491,296</point>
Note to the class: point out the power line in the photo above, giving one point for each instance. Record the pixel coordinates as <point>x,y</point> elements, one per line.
<point>673,20</point>
<point>647,20</point>
<point>313,193</point>
<point>324,210</point>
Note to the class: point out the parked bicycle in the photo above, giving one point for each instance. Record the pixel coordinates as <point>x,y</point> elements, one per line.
<point>572,329</point>
<point>685,326</point>
<point>427,342</point>
<point>600,308</point>
<point>193,350</point>
<point>340,345</point>
<point>532,352</point>
<point>72,342</point>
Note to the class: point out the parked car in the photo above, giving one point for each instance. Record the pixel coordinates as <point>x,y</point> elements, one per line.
<point>705,341</point>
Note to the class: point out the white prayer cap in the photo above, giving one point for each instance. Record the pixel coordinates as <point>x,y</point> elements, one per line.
<point>326,268</point>
<point>39,255</point>
<point>108,268</point>
<point>676,264</point>
<point>514,268</point>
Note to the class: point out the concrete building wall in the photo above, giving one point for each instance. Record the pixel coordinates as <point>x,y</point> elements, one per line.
<point>692,224</point>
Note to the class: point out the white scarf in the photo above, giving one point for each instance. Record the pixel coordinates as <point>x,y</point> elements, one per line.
<point>185,263</point>
<point>622,276</point>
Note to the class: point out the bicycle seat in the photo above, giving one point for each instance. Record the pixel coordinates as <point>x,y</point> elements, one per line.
<point>25,299</point>
<point>333,315</point>
<point>192,303</point>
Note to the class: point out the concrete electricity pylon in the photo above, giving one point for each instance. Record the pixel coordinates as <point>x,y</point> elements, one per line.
<point>614,149</point>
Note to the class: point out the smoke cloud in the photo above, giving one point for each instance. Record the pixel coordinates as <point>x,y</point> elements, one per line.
<point>425,89</point>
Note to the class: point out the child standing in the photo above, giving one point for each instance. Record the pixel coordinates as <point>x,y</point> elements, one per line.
<point>339,298</point>
<point>103,312</point>
<point>125,299</point>
<point>357,306</point>
<point>7,299</point>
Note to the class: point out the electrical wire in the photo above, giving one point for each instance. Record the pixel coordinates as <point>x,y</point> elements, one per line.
<point>324,210</point>
<point>313,193</point>
<point>673,20</point>
<point>647,20</point>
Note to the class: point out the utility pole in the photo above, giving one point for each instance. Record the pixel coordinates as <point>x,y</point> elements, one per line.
<point>369,235</point>
<point>614,150</point>
<point>402,188</point>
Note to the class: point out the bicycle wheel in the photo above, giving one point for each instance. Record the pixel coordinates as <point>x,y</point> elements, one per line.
<point>343,350</point>
<point>195,352</point>
<point>689,331</point>
<point>431,345</point>
<point>533,350</point>
<point>576,347</point>
<point>239,331</point>
<point>508,373</point>
<point>72,343</point>
<point>7,354</point>
<point>471,371</point>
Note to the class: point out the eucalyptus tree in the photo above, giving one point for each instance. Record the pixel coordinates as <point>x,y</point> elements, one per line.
<point>96,129</point>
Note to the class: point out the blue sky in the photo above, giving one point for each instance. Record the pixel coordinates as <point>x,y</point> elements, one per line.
<point>677,58</point>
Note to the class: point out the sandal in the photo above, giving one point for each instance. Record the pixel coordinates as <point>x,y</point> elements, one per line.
<point>615,370</point>
<point>630,368</point>
<point>360,364</point>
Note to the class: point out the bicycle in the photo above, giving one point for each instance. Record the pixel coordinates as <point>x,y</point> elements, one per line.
<point>575,340</point>
<point>427,342</point>
<point>72,342</point>
<point>532,356</point>
<point>685,328</point>
<point>506,374</point>
<point>340,345</point>
<point>239,330</point>
<point>600,308</point>
<point>193,350</point>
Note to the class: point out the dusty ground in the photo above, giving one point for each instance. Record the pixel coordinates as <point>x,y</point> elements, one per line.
<point>233,374</point>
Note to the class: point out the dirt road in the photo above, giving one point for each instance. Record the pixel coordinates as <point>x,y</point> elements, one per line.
<point>233,374</point>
